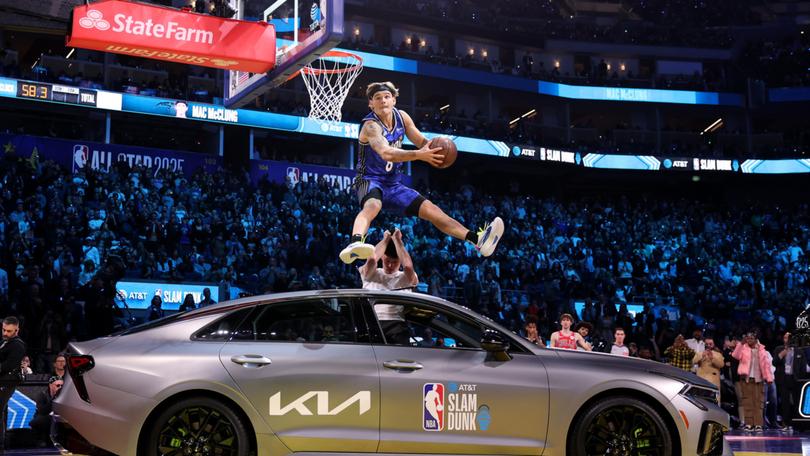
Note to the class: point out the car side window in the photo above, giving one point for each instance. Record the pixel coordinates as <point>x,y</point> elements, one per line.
<point>223,328</point>
<point>418,325</point>
<point>326,320</point>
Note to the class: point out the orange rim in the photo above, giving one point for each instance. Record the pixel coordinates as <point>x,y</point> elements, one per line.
<point>317,71</point>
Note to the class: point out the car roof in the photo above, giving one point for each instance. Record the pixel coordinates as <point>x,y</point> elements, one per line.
<point>226,306</point>
<point>236,304</point>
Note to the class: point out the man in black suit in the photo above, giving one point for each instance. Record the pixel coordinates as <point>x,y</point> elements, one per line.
<point>12,352</point>
<point>785,378</point>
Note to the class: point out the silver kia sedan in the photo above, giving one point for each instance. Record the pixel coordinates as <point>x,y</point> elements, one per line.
<point>354,371</point>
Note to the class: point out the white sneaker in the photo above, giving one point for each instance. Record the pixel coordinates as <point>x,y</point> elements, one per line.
<point>489,236</point>
<point>356,251</point>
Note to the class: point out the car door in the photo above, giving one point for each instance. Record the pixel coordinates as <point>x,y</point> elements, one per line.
<point>441,393</point>
<point>309,370</point>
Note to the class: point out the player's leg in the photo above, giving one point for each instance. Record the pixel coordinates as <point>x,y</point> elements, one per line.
<point>371,208</point>
<point>415,204</point>
<point>485,240</point>
<point>446,224</point>
<point>370,196</point>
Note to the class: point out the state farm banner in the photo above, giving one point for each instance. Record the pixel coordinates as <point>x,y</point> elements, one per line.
<point>77,155</point>
<point>172,35</point>
<point>280,172</point>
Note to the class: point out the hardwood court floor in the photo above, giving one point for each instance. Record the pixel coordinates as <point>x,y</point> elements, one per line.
<point>769,443</point>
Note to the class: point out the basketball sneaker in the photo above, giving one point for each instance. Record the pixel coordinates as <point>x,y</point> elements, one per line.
<point>357,250</point>
<point>489,236</point>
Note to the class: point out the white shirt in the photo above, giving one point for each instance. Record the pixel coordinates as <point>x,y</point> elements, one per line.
<point>789,362</point>
<point>619,350</point>
<point>697,345</point>
<point>753,369</point>
<point>377,279</point>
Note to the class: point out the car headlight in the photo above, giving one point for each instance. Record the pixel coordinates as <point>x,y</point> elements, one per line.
<point>691,392</point>
<point>695,394</point>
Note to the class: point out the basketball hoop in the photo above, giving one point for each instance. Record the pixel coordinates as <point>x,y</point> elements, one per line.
<point>328,80</point>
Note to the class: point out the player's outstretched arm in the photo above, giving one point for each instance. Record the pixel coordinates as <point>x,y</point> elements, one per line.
<point>373,135</point>
<point>371,263</point>
<point>405,258</point>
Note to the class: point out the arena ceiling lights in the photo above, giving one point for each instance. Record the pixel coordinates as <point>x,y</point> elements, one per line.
<point>716,125</point>
<point>528,115</point>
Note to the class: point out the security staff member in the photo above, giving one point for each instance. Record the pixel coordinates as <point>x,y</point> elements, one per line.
<point>12,351</point>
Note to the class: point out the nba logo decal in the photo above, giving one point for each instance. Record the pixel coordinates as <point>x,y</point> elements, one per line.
<point>294,174</point>
<point>433,407</point>
<point>81,154</point>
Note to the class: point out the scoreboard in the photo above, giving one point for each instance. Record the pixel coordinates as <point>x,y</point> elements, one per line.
<point>55,92</point>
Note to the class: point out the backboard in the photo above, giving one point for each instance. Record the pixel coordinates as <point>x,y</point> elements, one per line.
<point>305,29</point>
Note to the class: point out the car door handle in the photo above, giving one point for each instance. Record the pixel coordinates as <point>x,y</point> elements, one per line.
<point>403,365</point>
<point>251,360</point>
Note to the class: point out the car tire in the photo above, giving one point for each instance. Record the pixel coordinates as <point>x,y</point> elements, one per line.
<point>200,424</point>
<point>620,426</point>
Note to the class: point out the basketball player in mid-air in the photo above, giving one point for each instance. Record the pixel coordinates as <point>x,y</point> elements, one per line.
<point>378,183</point>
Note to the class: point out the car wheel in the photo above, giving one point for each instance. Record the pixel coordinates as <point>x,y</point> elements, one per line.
<point>198,426</point>
<point>621,426</point>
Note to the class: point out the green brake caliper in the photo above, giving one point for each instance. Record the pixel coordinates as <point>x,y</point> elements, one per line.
<point>640,443</point>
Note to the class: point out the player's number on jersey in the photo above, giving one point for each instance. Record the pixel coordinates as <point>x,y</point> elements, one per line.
<point>389,166</point>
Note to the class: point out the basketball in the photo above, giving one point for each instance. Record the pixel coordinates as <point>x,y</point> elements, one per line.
<point>449,150</point>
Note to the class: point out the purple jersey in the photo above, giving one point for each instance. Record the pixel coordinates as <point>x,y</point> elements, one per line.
<point>369,163</point>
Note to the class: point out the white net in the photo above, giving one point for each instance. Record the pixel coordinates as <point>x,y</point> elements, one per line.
<point>328,80</point>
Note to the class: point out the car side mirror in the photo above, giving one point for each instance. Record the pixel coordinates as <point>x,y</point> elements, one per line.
<point>493,342</point>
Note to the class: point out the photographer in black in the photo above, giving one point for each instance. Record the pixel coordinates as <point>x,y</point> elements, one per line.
<point>42,423</point>
<point>12,352</point>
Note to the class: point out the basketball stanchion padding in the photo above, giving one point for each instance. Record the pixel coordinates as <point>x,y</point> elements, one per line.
<point>328,80</point>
